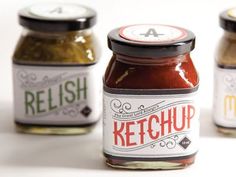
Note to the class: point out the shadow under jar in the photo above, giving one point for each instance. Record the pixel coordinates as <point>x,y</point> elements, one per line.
<point>56,89</point>
<point>151,119</point>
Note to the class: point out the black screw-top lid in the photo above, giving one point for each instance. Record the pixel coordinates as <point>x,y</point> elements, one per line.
<point>228,20</point>
<point>57,17</point>
<point>151,41</point>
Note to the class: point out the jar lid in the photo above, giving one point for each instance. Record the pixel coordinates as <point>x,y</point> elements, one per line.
<point>145,40</point>
<point>228,20</point>
<point>57,17</point>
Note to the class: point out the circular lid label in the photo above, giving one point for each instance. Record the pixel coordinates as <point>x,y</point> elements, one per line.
<point>232,13</point>
<point>152,33</point>
<point>57,11</point>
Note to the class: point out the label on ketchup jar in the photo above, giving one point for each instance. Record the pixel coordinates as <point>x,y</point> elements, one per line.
<point>150,126</point>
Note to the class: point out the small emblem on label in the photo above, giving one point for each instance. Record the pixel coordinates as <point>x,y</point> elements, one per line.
<point>86,111</point>
<point>185,142</point>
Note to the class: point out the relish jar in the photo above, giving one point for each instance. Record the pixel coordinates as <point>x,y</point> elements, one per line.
<point>151,119</point>
<point>224,110</point>
<point>56,83</point>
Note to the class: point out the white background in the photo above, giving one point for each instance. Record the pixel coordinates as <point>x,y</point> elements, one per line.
<point>63,156</point>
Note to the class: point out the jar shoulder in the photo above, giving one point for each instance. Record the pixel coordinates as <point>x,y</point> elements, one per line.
<point>71,49</point>
<point>131,76</point>
<point>226,51</point>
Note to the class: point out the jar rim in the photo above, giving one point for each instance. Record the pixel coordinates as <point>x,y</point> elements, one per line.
<point>227,20</point>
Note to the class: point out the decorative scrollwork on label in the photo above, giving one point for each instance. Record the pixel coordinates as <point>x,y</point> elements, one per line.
<point>230,83</point>
<point>29,80</point>
<point>169,142</point>
<point>26,78</point>
<point>119,107</point>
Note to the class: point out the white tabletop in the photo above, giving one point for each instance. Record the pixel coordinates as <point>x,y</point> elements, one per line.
<point>24,155</point>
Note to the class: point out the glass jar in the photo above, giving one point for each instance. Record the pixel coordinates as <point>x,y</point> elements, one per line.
<point>151,120</point>
<point>56,83</point>
<point>224,109</point>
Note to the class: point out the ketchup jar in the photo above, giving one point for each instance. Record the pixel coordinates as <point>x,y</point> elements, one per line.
<point>151,119</point>
<point>224,113</point>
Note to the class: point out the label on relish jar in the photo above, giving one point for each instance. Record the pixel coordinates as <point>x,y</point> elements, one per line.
<point>225,97</point>
<point>150,126</point>
<point>47,95</point>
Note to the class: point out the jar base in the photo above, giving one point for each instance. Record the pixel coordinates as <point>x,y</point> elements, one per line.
<point>165,164</point>
<point>54,130</point>
<point>226,130</point>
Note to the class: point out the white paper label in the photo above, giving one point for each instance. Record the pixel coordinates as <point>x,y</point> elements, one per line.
<point>152,33</point>
<point>150,126</point>
<point>56,95</point>
<point>225,97</point>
